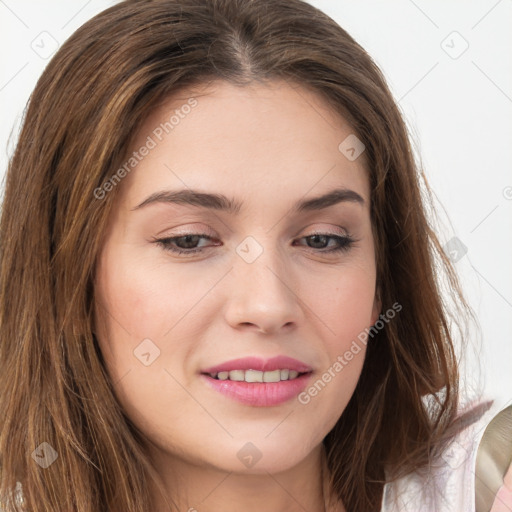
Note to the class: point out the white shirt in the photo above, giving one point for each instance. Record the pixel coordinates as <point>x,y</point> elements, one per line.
<point>448,485</point>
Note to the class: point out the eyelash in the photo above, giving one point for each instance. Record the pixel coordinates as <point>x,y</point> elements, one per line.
<point>345,242</point>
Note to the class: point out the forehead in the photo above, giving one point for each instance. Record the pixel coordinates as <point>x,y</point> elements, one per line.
<point>278,140</point>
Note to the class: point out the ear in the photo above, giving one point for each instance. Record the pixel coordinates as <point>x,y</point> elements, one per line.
<point>377,306</point>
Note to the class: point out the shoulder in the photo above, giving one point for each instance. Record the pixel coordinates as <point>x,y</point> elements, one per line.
<point>450,483</point>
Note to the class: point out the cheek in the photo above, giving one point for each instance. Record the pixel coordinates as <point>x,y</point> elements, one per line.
<point>147,308</point>
<point>344,307</point>
<point>146,300</point>
<point>343,304</point>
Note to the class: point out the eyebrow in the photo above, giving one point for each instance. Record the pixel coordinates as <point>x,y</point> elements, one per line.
<point>222,203</point>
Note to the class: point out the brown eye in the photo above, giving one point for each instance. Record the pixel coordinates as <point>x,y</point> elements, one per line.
<point>320,241</point>
<point>183,244</point>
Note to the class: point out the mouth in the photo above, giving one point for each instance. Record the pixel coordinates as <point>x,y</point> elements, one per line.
<point>258,382</point>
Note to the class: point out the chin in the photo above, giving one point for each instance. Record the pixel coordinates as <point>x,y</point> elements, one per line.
<point>260,455</point>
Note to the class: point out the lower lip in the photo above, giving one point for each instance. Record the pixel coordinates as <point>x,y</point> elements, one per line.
<point>259,394</point>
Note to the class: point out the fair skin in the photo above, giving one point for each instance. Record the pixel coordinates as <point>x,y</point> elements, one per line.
<point>267,147</point>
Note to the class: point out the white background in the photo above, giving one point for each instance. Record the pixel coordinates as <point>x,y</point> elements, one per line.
<point>458,106</point>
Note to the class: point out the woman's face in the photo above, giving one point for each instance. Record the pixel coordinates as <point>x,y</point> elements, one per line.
<point>253,281</point>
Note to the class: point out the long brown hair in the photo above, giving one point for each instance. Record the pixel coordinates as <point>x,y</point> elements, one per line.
<point>95,92</point>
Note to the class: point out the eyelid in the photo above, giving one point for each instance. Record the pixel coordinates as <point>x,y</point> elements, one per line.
<point>171,233</point>
<point>328,231</point>
<point>332,230</point>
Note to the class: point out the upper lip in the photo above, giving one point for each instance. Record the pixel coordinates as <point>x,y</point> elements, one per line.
<point>260,364</point>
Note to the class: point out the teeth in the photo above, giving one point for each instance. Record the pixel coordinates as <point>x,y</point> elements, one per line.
<point>274,376</point>
<point>237,375</point>
<point>256,376</point>
<point>253,376</point>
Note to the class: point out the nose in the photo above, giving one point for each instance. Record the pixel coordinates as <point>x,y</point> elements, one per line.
<point>263,295</point>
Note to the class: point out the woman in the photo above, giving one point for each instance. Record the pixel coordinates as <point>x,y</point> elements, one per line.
<point>218,280</point>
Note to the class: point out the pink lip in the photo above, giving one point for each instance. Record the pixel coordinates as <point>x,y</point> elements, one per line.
<point>262,365</point>
<point>260,394</point>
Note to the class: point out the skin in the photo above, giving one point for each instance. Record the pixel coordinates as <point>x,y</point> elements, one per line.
<point>267,146</point>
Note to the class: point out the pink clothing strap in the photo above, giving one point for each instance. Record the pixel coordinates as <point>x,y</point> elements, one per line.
<point>503,500</point>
